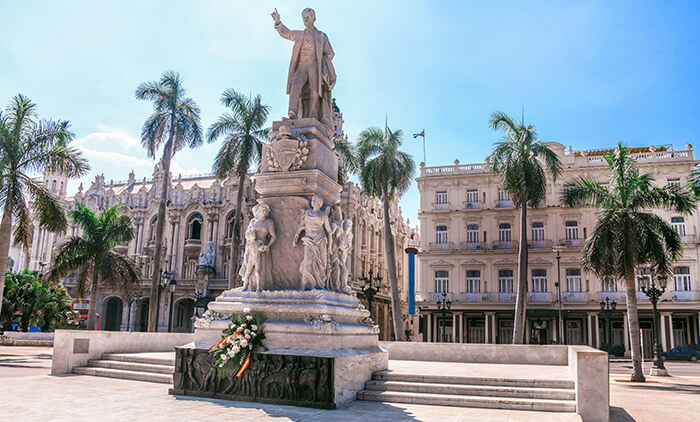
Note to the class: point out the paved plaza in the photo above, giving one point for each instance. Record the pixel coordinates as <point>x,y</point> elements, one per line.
<point>24,371</point>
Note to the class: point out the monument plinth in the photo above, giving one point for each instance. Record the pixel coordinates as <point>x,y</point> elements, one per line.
<point>321,340</point>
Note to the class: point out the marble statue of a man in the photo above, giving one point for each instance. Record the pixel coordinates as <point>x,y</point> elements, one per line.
<point>311,76</point>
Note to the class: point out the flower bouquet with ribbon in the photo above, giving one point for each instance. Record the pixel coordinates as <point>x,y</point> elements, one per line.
<point>243,337</point>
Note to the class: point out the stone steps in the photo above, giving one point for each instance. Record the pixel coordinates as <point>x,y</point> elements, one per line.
<point>472,390</point>
<point>131,366</point>
<point>552,395</point>
<point>469,401</point>
<point>450,379</point>
<point>122,374</point>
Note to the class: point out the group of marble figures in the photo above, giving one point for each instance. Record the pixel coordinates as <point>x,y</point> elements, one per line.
<point>323,233</point>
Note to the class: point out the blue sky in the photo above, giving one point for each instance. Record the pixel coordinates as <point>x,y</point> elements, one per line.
<point>588,74</point>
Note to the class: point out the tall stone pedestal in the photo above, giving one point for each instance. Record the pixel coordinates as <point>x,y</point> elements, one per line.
<point>326,335</point>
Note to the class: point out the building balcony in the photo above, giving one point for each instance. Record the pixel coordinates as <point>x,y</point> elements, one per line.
<point>471,205</point>
<point>540,244</point>
<point>441,206</point>
<point>683,295</point>
<point>641,296</point>
<point>504,297</point>
<point>193,245</point>
<point>442,247</point>
<point>122,249</point>
<point>509,245</point>
<point>574,296</point>
<point>616,296</point>
<point>540,297</point>
<point>572,243</point>
<point>503,204</point>
<point>689,240</point>
<point>476,297</point>
<point>434,297</point>
<point>472,246</point>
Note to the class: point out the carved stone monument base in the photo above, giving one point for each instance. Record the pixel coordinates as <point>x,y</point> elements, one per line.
<point>313,324</point>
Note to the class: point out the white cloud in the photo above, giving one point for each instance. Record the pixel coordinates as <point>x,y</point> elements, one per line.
<point>114,152</point>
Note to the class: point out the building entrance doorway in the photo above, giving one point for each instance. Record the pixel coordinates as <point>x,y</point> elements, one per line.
<point>143,316</point>
<point>113,314</point>
<point>184,310</point>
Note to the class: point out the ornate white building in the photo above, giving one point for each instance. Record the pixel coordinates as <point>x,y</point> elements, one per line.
<point>469,245</point>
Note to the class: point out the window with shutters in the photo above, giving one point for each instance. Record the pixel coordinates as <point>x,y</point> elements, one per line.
<point>473,281</point>
<point>441,197</point>
<point>504,233</point>
<point>678,224</point>
<point>573,280</point>
<point>441,234</point>
<point>609,284</point>
<point>539,281</point>
<point>681,277</point>
<point>571,230</point>
<point>538,231</point>
<point>505,281</point>
<point>473,233</point>
<point>472,196</point>
<point>442,282</point>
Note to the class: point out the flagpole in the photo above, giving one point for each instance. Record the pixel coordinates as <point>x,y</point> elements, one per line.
<point>424,162</point>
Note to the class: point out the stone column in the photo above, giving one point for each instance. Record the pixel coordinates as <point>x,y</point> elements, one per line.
<point>662,334</point>
<point>487,328</point>
<point>672,341</point>
<point>429,326</point>
<point>416,326</point>
<point>626,334</point>
<point>589,324</point>
<point>454,327</point>
<point>490,327</point>
<point>461,328</point>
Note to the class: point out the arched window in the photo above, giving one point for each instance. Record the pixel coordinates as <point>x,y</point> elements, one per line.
<point>229,224</point>
<point>154,220</point>
<point>194,226</point>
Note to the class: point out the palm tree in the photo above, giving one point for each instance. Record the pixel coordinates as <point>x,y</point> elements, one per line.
<point>628,233</point>
<point>93,257</point>
<point>243,133</point>
<point>386,173</point>
<point>173,124</point>
<point>347,158</point>
<point>29,146</point>
<point>523,162</point>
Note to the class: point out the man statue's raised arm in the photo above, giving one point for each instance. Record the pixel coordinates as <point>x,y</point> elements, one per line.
<point>279,26</point>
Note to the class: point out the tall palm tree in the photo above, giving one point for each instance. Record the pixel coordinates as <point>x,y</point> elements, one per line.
<point>243,134</point>
<point>174,124</point>
<point>92,255</point>
<point>386,173</point>
<point>523,162</point>
<point>628,233</point>
<point>29,146</point>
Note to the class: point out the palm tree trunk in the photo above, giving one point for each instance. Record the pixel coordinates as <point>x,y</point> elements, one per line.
<point>153,303</point>
<point>633,323</point>
<point>92,310</point>
<point>521,298</point>
<point>390,258</point>
<point>236,234</point>
<point>5,234</point>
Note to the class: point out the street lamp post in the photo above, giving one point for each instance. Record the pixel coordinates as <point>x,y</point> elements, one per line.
<point>370,288</point>
<point>607,307</point>
<point>172,284</point>
<point>558,285</point>
<point>654,292</point>
<point>162,283</point>
<point>444,307</point>
<point>136,297</point>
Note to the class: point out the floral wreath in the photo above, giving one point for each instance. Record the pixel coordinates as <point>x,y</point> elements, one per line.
<point>243,337</point>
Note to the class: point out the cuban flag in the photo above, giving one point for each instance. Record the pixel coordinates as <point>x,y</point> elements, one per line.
<point>421,133</point>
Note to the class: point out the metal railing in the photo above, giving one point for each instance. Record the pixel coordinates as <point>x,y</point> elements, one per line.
<point>472,246</point>
<point>442,247</point>
<point>471,205</point>
<point>503,204</point>
<point>504,245</point>
<point>572,243</point>
<point>540,297</point>
<point>540,244</point>
<point>683,295</point>
<point>441,206</point>
<point>575,296</point>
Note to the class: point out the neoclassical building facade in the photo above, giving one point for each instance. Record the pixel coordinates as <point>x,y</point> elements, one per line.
<point>200,216</point>
<point>469,246</point>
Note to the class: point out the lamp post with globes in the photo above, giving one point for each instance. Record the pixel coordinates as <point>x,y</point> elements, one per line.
<point>560,325</point>
<point>444,307</point>
<point>172,284</point>
<point>654,292</point>
<point>607,307</point>
<point>372,284</point>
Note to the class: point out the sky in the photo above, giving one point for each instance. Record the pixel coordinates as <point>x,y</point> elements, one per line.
<point>586,74</point>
